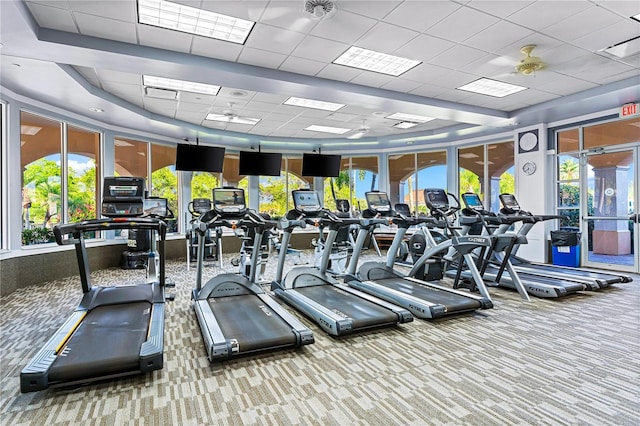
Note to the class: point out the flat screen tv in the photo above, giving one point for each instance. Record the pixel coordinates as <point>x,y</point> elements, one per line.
<point>260,163</point>
<point>199,158</point>
<point>320,165</point>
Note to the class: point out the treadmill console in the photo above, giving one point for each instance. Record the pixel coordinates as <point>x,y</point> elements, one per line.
<point>229,202</point>
<point>509,203</point>
<point>472,201</point>
<point>201,205</point>
<point>123,196</point>
<point>436,199</point>
<point>378,203</point>
<point>306,201</point>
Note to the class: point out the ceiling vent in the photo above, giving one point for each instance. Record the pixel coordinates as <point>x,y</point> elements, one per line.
<point>319,8</point>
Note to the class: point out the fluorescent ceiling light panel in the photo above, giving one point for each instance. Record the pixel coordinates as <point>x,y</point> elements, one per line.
<point>311,103</point>
<point>495,88</point>
<point>371,60</point>
<point>29,130</point>
<point>181,85</point>
<point>625,49</point>
<point>405,125</point>
<point>468,155</point>
<point>409,117</point>
<point>232,119</point>
<point>327,129</point>
<point>193,20</point>
<point>636,17</point>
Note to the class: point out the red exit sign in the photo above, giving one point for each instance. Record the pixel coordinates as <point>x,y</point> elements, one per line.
<point>628,110</point>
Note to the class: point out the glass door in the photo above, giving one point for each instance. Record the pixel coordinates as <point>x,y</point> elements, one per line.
<point>609,197</point>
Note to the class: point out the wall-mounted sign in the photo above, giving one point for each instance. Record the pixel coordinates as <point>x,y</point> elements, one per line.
<point>629,110</point>
<point>528,141</point>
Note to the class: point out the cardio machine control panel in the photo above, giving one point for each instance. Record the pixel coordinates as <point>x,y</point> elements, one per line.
<point>436,199</point>
<point>229,202</point>
<point>378,203</point>
<point>472,202</point>
<point>307,202</point>
<point>156,207</point>
<point>509,203</point>
<point>123,196</point>
<point>201,205</point>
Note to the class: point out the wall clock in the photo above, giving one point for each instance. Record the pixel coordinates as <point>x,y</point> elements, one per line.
<point>529,168</point>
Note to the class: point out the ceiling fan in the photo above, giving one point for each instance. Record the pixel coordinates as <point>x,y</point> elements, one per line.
<point>229,115</point>
<point>360,131</point>
<point>529,64</point>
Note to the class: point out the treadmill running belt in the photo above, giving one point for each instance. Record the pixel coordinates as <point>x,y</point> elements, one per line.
<point>363,313</point>
<point>252,323</point>
<point>453,302</point>
<point>106,342</point>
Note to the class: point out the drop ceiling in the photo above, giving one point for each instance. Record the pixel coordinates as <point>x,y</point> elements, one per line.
<point>81,54</point>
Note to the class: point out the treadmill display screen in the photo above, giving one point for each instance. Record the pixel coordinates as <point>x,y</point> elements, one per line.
<point>472,201</point>
<point>155,207</point>
<point>306,201</point>
<point>436,198</point>
<point>509,201</point>
<point>378,202</point>
<point>228,200</point>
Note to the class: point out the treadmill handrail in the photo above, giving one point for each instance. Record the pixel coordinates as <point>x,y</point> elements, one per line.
<point>105,224</point>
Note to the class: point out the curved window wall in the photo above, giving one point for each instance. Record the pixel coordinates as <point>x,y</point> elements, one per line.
<point>358,175</point>
<point>411,174</point>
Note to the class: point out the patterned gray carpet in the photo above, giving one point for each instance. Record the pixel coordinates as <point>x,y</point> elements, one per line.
<point>574,361</point>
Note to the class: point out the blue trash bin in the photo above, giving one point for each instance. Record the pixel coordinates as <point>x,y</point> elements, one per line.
<point>565,245</point>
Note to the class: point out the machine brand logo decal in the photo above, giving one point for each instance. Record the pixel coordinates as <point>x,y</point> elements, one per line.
<point>417,308</point>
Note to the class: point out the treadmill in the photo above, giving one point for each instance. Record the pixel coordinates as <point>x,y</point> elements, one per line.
<point>499,258</point>
<point>235,314</point>
<point>426,300</point>
<point>337,308</point>
<point>591,278</point>
<point>115,331</point>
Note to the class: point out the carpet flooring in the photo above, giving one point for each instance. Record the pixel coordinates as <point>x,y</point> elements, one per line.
<point>571,361</point>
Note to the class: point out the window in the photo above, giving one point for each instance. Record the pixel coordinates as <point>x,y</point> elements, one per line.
<point>568,173</point>
<point>3,168</point>
<point>358,175</point>
<point>275,191</point>
<point>203,184</point>
<point>471,170</point>
<point>410,174</point>
<point>164,179</point>
<point>83,156</point>
<point>40,154</point>
<point>131,158</point>
<point>500,170</point>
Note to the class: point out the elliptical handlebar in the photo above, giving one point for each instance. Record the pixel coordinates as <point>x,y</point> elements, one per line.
<point>107,224</point>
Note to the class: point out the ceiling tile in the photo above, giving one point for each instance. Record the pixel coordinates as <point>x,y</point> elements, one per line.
<point>338,72</point>
<point>344,27</point>
<point>302,65</point>
<point>269,98</point>
<point>196,98</point>
<point>193,107</point>
<point>458,56</point>
<point>498,36</point>
<point>386,38</point>
<point>424,47</point>
<point>462,24</point>
<point>429,91</point>
<point>499,8</point>
<point>53,17</point>
<point>371,9</point>
<point>581,24</point>
<point>289,15</point>
<point>425,73</point>
<point>211,48</point>
<point>160,106</point>
<point>164,39</point>
<point>338,116</point>
<point>110,29</point>
<point>230,92</point>
<point>602,38</point>
<point>419,16</point>
<point>320,49</point>
<point>453,79</point>
<point>542,14</point>
<point>401,85</point>
<point>372,79</point>
<point>190,116</point>
<point>89,74</point>
<point>622,7</point>
<point>260,58</point>
<point>245,9</point>
<point>121,10</point>
<point>273,39</point>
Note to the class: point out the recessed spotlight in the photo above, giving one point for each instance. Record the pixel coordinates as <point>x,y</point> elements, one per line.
<point>239,93</point>
<point>96,109</point>
<point>16,65</point>
<point>379,113</point>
